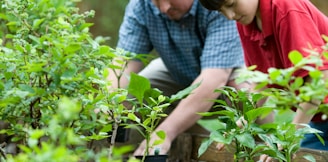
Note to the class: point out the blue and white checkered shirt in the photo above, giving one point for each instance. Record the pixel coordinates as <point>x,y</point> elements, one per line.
<point>201,39</point>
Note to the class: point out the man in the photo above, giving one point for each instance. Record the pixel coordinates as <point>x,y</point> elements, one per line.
<point>194,45</point>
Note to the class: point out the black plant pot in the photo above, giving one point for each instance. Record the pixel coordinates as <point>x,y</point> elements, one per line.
<point>154,158</point>
<point>122,134</point>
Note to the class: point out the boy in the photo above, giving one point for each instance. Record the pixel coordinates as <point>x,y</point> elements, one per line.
<point>269,30</point>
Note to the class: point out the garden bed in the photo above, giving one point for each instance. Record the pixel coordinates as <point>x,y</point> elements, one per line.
<point>181,151</point>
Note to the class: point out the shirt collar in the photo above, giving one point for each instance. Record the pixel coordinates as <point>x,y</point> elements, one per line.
<point>266,17</point>
<point>193,9</point>
<point>191,12</point>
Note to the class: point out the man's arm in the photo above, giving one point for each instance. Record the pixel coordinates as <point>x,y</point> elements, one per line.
<point>185,114</point>
<point>132,66</point>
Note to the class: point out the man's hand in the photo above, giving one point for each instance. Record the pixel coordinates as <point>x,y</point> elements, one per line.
<point>163,148</point>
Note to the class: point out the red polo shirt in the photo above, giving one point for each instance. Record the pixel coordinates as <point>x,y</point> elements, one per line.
<point>286,25</point>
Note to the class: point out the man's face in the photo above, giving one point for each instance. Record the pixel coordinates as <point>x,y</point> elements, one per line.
<point>174,9</point>
<point>242,11</point>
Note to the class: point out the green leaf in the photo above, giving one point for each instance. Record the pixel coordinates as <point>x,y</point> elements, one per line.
<point>146,122</point>
<point>25,87</point>
<point>34,67</point>
<point>315,74</point>
<point>211,124</point>
<point>297,83</point>
<point>295,57</point>
<point>204,146</point>
<point>158,142</point>
<point>150,94</point>
<point>246,139</point>
<point>12,23</point>
<point>37,23</point>
<point>85,25</point>
<point>220,138</point>
<point>118,151</point>
<point>325,54</point>
<point>25,149</point>
<point>309,158</point>
<point>266,139</point>
<point>138,85</point>
<point>73,47</point>
<point>68,109</point>
<point>183,93</point>
<point>261,112</point>
<point>106,128</point>
<point>274,73</point>
<point>36,134</point>
<point>69,73</point>
<point>133,117</point>
<point>161,134</point>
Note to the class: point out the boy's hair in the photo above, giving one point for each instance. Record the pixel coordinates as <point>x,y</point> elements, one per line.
<point>212,4</point>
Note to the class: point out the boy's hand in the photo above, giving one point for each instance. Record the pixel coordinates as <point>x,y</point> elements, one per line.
<point>240,123</point>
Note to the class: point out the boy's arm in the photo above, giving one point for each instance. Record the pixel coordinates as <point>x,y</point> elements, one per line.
<point>303,116</point>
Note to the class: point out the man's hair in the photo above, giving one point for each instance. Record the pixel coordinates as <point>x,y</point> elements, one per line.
<point>212,4</point>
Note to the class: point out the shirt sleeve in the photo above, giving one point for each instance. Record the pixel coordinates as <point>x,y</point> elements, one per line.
<point>222,47</point>
<point>133,35</point>
<point>297,30</point>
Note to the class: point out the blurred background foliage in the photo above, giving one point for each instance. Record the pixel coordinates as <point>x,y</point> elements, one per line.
<point>322,5</point>
<point>109,16</point>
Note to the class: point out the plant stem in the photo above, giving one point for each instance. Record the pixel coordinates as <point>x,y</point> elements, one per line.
<point>112,140</point>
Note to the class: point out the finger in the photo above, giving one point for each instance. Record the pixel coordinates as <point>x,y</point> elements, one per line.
<point>220,146</point>
<point>265,158</point>
<point>262,158</point>
<point>268,159</point>
<point>241,122</point>
<point>138,152</point>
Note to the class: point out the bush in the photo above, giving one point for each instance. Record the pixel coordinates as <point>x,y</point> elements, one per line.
<point>51,81</point>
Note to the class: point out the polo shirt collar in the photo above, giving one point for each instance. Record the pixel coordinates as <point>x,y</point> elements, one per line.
<point>266,16</point>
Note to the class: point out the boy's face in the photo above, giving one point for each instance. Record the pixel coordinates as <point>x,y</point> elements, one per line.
<point>174,9</point>
<point>242,11</point>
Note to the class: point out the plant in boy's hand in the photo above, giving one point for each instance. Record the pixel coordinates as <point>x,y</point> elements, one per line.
<point>240,122</point>
<point>279,140</point>
<point>240,106</point>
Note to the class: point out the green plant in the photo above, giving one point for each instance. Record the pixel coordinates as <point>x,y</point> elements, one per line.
<point>47,54</point>
<point>150,104</point>
<point>279,139</point>
<point>240,105</point>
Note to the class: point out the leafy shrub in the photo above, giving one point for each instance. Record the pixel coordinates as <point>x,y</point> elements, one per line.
<point>279,139</point>
<point>52,79</point>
